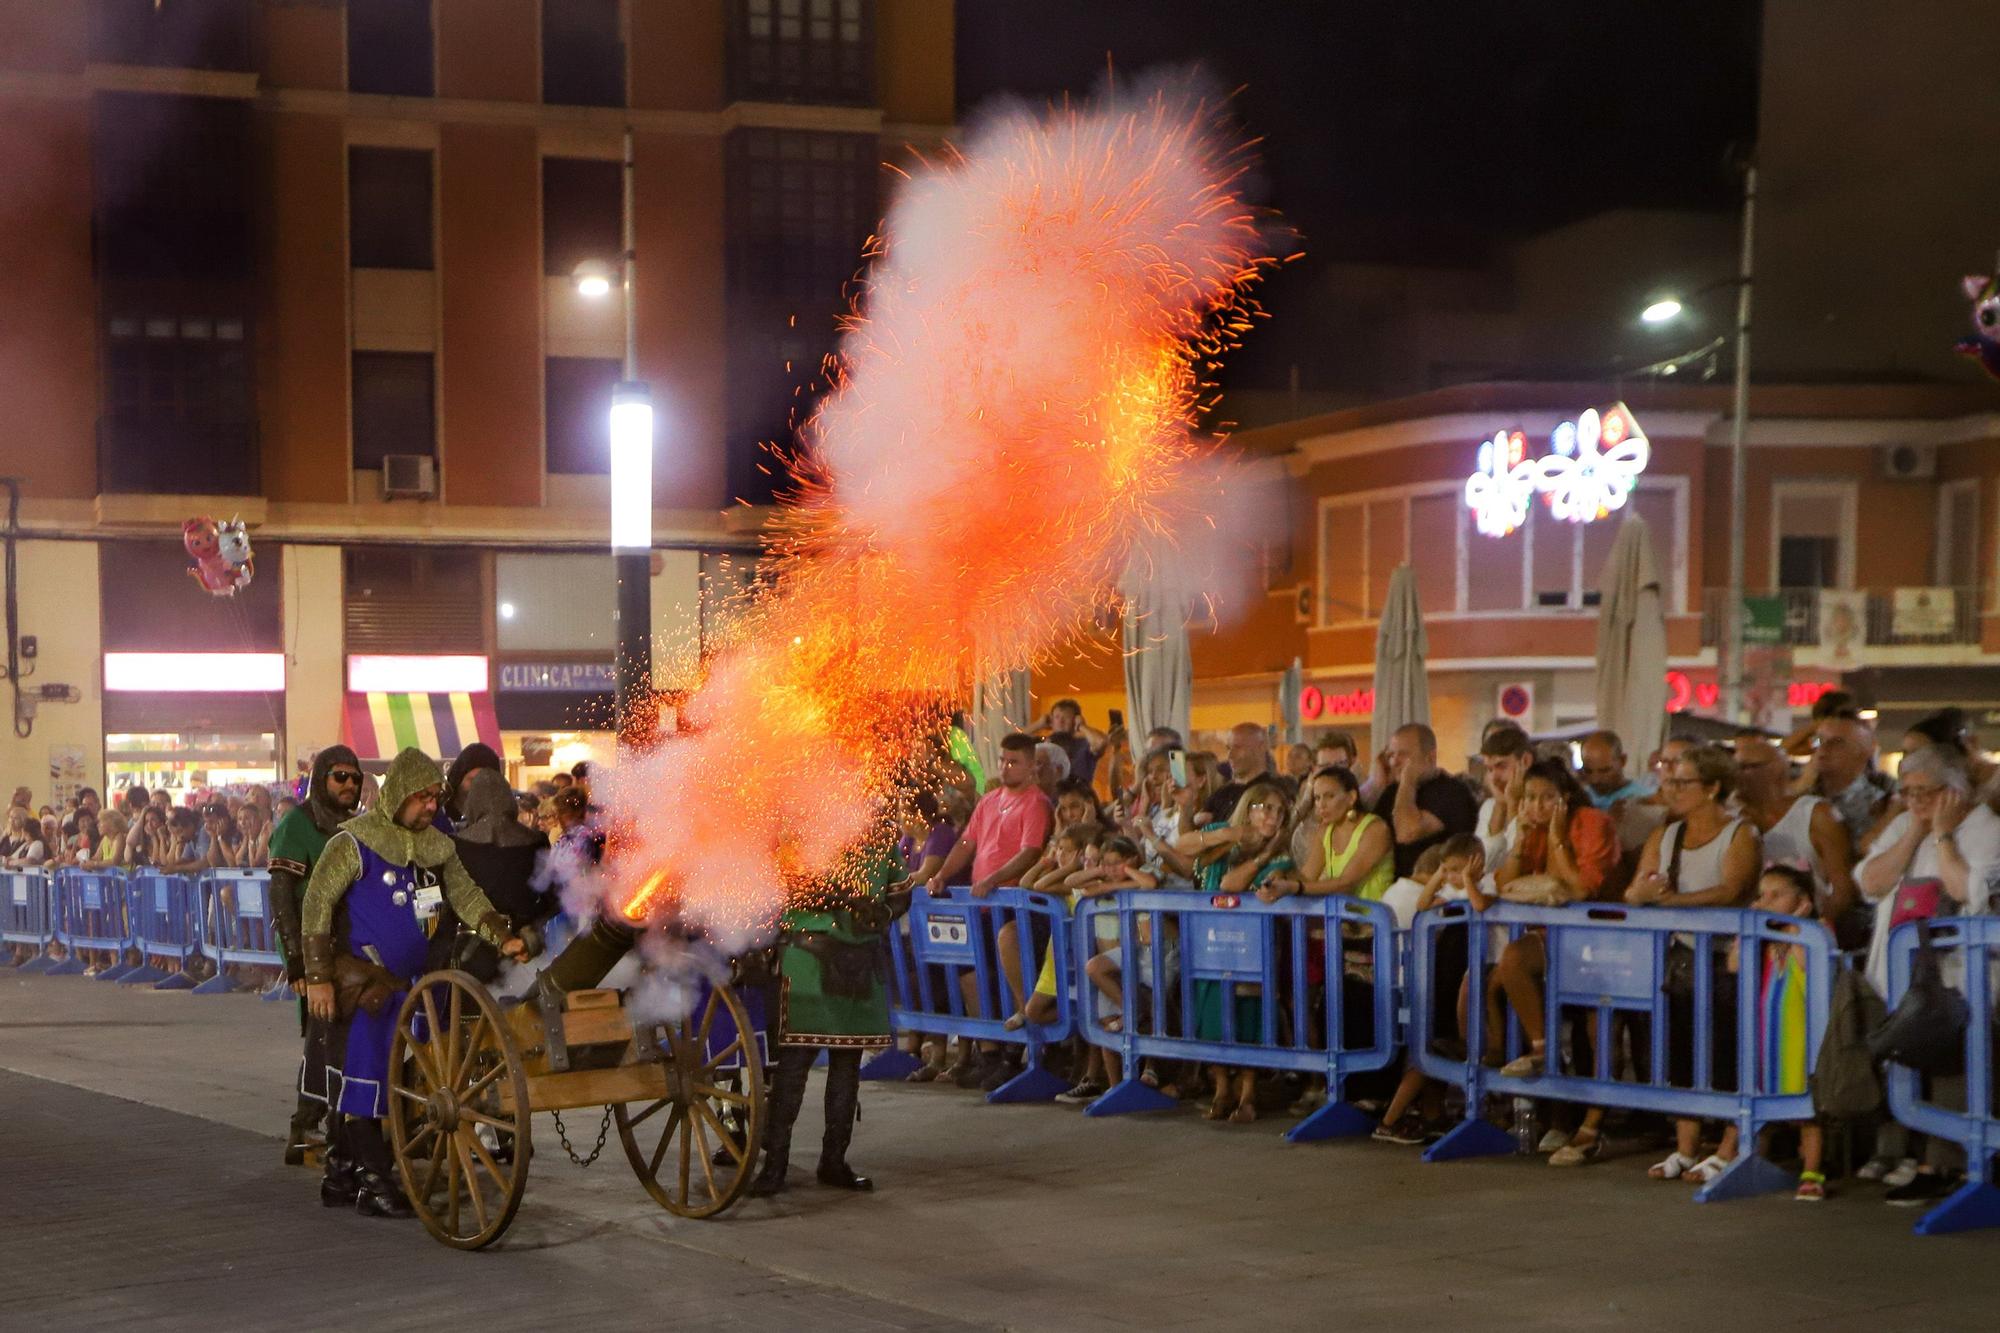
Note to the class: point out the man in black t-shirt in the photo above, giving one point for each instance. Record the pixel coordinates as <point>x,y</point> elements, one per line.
<point>1422,805</point>
<point>1249,761</point>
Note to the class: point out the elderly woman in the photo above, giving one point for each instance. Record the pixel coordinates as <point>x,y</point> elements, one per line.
<point>1938,856</point>
<point>1704,857</point>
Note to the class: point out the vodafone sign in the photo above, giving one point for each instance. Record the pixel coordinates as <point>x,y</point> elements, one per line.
<point>1684,692</point>
<point>1315,703</point>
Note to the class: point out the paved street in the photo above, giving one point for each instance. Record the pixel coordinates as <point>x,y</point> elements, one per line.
<point>143,1186</point>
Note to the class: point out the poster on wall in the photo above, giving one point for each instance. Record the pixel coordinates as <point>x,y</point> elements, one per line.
<point>66,774</point>
<point>1767,681</point>
<point>1843,626</point>
<point>1924,613</point>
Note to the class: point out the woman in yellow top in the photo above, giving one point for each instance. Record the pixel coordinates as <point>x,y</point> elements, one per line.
<point>1355,853</point>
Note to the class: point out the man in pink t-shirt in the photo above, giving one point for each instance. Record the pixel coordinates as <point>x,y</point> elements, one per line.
<point>1003,839</point>
<point>1008,828</point>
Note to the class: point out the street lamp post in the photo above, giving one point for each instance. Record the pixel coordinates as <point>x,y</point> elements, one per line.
<point>1665,309</point>
<point>631,495</point>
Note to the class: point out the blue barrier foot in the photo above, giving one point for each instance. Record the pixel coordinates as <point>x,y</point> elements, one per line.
<point>140,976</point>
<point>40,963</point>
<point>1033,1084</point>
<point>175,981</point>
<point>1747,1176</point>
<point>68,967</point>
<point>890,1065</point>
<point>219,984</point>
<point>116,973</point>
<point>1335,1120</point>
<point>275,992</point>
<point>1130,1095</point>
<point>1972,1205</point>
<point>1475,1136</point>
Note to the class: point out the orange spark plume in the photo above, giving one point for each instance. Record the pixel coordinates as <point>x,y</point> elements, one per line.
<point>1011,411</point>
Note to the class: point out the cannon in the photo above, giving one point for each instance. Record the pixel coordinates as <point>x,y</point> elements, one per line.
<point>467,1073</point>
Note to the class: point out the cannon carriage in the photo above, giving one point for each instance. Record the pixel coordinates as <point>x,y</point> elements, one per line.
<point>467,1074</point>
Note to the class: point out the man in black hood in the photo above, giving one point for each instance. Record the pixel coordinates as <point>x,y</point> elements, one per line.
<point>296,843</point>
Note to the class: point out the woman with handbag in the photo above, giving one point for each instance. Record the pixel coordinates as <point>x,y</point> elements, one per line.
<point>1702,858</point>
<point>1936,858</point>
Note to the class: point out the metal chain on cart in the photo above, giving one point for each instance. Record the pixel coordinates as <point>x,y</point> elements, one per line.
<point>603,1128</point>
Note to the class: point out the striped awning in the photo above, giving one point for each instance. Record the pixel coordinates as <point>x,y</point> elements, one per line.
<point>379,725</point>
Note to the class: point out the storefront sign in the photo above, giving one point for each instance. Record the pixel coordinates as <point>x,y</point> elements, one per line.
<point>558,677</point>
<point>1315,702</point>
<point>1684,693</point>
<point>194,673</point>
<point>416,675</point>
<point>1593,464</point>
<point>66,774</point>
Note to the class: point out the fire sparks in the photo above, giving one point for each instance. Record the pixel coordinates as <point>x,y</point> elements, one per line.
<point>1011,410</point>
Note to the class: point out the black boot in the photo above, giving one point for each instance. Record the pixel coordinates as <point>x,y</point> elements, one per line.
<point>337,1184</point>
<point>376,1195</point>
<point>843,1107</point>
<point>788,1094</point>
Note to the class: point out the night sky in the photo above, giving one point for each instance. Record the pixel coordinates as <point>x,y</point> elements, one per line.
<point>1417,130</point>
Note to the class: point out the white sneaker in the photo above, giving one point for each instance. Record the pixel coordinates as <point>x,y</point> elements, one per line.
<point>1905,1172</point>
<point>1553,1141</point>
<point>1875,1168</point>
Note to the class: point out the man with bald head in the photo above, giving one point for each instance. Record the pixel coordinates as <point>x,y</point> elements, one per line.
<point>1799,831</point>
<point>1841,771</point>
<point>1603,771</point>
<point>1249,761</point>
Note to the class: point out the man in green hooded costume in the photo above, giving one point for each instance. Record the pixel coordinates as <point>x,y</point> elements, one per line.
<point>388,871</point>
<point>830,995</point>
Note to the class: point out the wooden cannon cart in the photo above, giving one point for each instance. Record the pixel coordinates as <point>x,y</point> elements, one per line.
<point>466,1076</point>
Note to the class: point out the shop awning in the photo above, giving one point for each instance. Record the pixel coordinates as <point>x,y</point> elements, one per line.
<point>378,725</point>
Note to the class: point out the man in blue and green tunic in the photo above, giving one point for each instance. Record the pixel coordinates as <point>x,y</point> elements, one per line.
<point>830,996</point>
<point>384,874</point>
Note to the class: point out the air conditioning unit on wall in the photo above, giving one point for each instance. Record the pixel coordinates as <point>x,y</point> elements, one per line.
<point>409,476</point>
<point>1908,462</point>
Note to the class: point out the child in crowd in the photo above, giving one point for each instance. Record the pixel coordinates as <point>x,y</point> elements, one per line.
<point>1453,876</point>
<point>1114,864</point>
<point>1781,1027</point>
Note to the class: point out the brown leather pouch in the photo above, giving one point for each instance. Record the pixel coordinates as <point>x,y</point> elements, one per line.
<point>360,984</point>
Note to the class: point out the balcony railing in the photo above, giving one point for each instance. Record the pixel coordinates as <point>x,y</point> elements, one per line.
<point>1893,617</point>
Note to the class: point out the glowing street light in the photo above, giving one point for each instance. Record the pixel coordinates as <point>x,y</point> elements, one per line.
<point>1661,311</point>
<point>593,279</point>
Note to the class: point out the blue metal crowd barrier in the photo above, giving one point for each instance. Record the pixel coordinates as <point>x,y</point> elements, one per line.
<point>27,916</point>
<point>92,912</point>
<point>165,912</point>
<point>1969,949</point>
<point>237,929</point>
<point>943,941</point>
<point>1168,943</point>
<point>1607,967</point>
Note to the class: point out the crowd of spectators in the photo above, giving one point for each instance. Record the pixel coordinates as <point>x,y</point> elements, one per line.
<point>229,828</point>
<point>1808,825</point>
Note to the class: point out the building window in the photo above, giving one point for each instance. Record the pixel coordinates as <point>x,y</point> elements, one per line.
<point>1957,561</point>
<point>1812,535</point>
<point>178,417</point>
<point>171,188</point>
<point>395,410</point>
<point>800,208</point>
<point>583,53</point>
<point>186,34</point>
<point>415,599</point>
<point>577,407</point>
<point>583,202</point>
<point>389,208</point>
<point>139,580</point>
<point>802,51</point>
<point>390,47</point>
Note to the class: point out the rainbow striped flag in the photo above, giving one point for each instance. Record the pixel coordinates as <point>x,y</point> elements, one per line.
<point>379,725</point>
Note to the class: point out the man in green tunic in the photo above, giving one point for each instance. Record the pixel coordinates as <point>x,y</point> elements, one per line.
<point>831,996</point>
<point>332,793</point>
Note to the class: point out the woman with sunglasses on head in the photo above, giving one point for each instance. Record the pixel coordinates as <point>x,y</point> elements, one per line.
<point>332,796</point>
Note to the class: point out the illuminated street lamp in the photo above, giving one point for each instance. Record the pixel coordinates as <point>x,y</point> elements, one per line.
<point>1664,310</point>
<point>631,487</point>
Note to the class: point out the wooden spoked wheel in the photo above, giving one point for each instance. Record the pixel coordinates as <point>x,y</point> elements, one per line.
<point>458,1111</point>
<point>695,1149</point>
